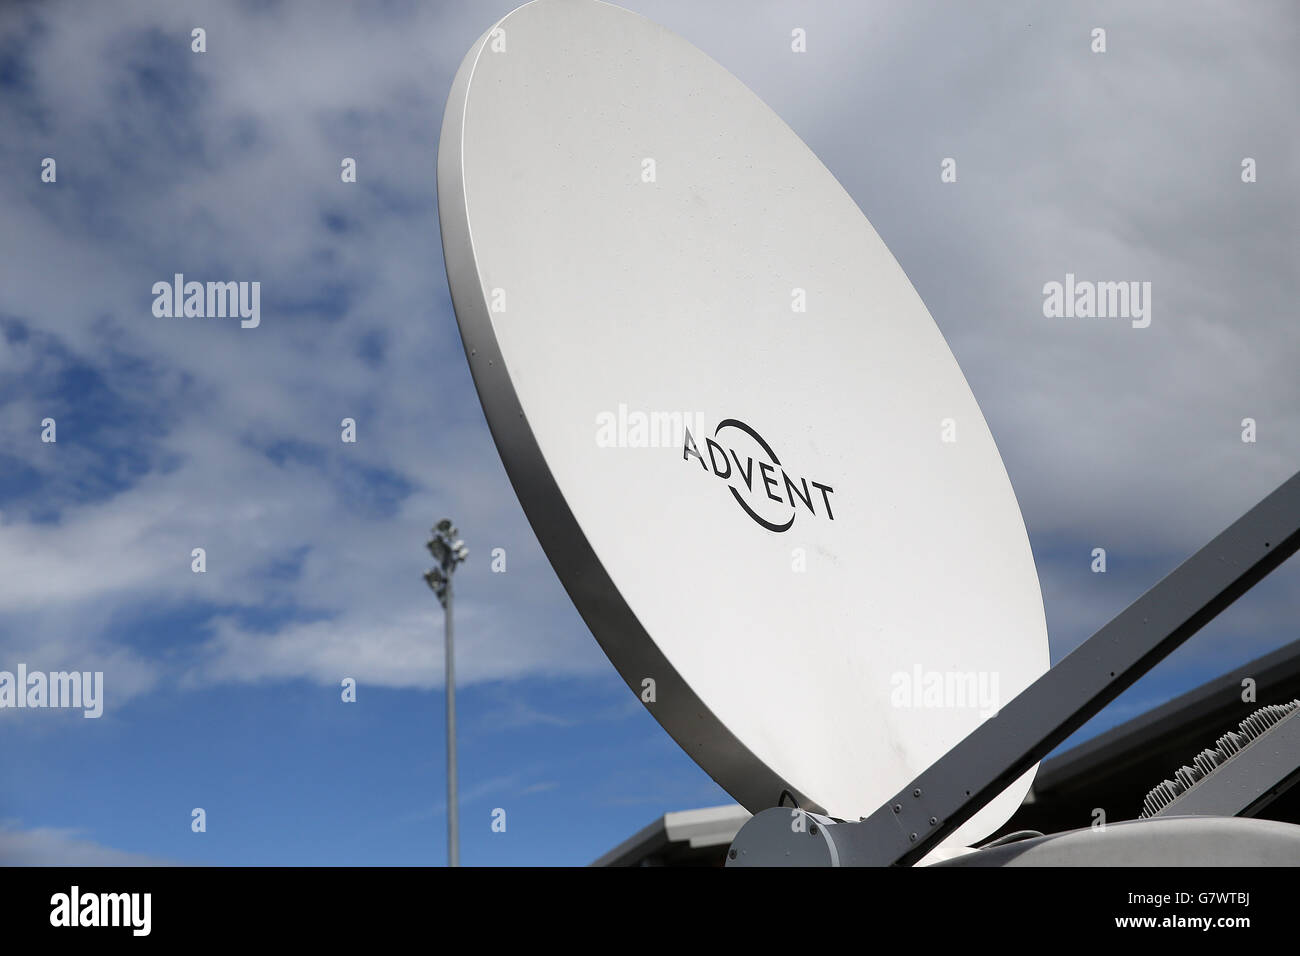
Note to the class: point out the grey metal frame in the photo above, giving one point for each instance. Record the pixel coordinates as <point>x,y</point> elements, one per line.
<point>1002,748</point>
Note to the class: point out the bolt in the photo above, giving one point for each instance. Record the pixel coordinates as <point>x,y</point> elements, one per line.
<point>933,821</point>
<point>916,792</point>
<point>898,808</point>
<point>912,837</point>
<point>812,829</point>
<point>731,854</point>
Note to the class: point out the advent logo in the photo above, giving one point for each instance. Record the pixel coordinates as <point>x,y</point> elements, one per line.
<point>755,467</point>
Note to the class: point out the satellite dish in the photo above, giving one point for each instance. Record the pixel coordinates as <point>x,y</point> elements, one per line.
<point>739,435</point>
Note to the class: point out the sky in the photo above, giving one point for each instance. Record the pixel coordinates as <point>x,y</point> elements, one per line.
<point>223,688</point>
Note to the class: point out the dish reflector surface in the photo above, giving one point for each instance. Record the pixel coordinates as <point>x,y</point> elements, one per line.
<point>739,436</point>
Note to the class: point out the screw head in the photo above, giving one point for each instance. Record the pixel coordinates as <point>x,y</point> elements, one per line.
<point>731,854</point>
<point>912,837</point>
<point>812,829</point>
<point>898,808</point>
<point>934,821</point>
<point>916,792</point>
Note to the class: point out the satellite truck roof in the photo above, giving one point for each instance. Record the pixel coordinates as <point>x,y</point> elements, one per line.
<point>739,435</point>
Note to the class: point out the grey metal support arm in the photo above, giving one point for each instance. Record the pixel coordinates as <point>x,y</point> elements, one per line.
<point>1067,696</point>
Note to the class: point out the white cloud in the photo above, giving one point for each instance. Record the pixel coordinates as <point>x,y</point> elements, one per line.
<point>55,846</point>
<point>1121,437</point>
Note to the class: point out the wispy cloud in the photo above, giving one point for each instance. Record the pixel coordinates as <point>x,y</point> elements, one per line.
<point>55,846</point>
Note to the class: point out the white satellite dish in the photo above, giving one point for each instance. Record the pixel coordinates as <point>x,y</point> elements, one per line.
<point>828,591</point>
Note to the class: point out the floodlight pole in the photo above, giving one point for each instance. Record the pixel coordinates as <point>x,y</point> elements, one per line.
<point>449,551</point>
<point>453,809</point>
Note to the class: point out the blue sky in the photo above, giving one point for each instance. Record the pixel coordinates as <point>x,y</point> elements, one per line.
<point>222,688</point>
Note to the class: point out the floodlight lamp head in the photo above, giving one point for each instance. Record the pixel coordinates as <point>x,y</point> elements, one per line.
<point>437,582</point>
<point>445,526</point>
<point>438,548</point>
